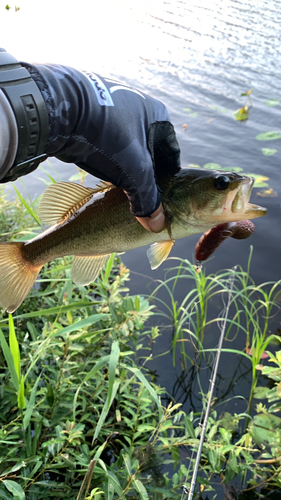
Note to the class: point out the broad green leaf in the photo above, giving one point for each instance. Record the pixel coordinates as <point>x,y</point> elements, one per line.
<point>261,392</point>
<point>272,102</point>
<point>4,494</point>
<point>115,482</point>
<point>139,487</point>
<point>175,455</point>
<point>109,488</point>
<point>14,488</point>
<point>21,400</point>
<point>233,462</point>
<point>127,463</point>
<point>9,360</point>
<point>268,151</point>
<point>108,268</point>
<point>30,405</point>
<point>113,360</point>
<point>264,428</point>
<point>16,467</point>
<point>189,427</point>
<point>100,364</point>
<point>35,468</point>
<point>268,136</point>
<point>14,346</point>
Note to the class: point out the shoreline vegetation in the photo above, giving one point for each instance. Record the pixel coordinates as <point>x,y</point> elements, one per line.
<point>81,413</point>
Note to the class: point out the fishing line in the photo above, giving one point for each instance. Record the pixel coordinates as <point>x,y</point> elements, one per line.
<point>222,327</point>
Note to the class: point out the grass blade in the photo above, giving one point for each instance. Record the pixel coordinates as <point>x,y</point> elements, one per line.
<point>105,409</point>
<point>30,405</point>
<point>113,360</point>
<point>28,208</point>
<point>145,382</point>
<point>9,360</point>
<point>100,364</point>
<point>21,399</point>
<point>14,347</point>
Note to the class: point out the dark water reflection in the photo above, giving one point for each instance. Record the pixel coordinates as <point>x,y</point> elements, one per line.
<point>202,57</point>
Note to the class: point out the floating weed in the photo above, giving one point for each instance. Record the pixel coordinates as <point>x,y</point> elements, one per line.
<point>272,102</point>
<point>267,193</point>
<point>268,136</point>
<point>268,151</point>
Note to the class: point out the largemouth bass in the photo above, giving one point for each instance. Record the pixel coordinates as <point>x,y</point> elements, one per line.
<point>93,223</point>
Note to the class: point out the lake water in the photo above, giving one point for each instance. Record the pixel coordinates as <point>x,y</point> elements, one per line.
<point>197,58</point>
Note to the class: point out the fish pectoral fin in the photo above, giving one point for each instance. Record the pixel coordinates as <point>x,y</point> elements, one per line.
<point>85,269</point>
<point>158,252</point>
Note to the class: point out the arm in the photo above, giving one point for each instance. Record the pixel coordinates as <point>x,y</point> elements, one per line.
<point>104,127</point>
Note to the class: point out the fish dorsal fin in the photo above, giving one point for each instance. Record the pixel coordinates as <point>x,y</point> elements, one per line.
<point>158,252</point>
<point>63,199</point>
<point>85,269</point>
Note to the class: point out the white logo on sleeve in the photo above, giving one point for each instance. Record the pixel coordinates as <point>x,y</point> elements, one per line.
<point>102,94</point>
<point>122,86</point>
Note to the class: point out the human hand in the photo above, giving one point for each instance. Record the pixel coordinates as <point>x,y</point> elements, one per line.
<point>156,222</point>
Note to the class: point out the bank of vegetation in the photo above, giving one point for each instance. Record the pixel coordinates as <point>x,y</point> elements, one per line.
<point>81,414</point>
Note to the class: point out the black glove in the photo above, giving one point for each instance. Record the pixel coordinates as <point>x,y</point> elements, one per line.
<point>111,130</point>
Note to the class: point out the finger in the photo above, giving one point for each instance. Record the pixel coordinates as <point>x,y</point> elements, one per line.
<point>156,222</point>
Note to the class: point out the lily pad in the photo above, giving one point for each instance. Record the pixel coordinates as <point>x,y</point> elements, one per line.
<point>260,180</point>
<point>191,113</point>
<point>268,151</point>
<point>213,166</point>
<point>241,114</point>
<point>268,136</point>
<point>272,102</point>
<point>217,108</point>
<point>233,169</point>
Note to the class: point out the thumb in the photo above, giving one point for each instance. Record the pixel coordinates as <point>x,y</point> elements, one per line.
<point>156,222</point>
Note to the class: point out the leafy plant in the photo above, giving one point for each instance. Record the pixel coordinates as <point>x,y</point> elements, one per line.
<point>81,414</point>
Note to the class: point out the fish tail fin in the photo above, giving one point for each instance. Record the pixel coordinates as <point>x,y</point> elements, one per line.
<point>17,276</point>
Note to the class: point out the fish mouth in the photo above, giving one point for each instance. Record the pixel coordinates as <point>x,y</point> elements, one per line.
<point>240,206</point>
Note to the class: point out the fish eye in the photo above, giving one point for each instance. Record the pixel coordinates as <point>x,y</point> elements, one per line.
<point>221,182</point>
